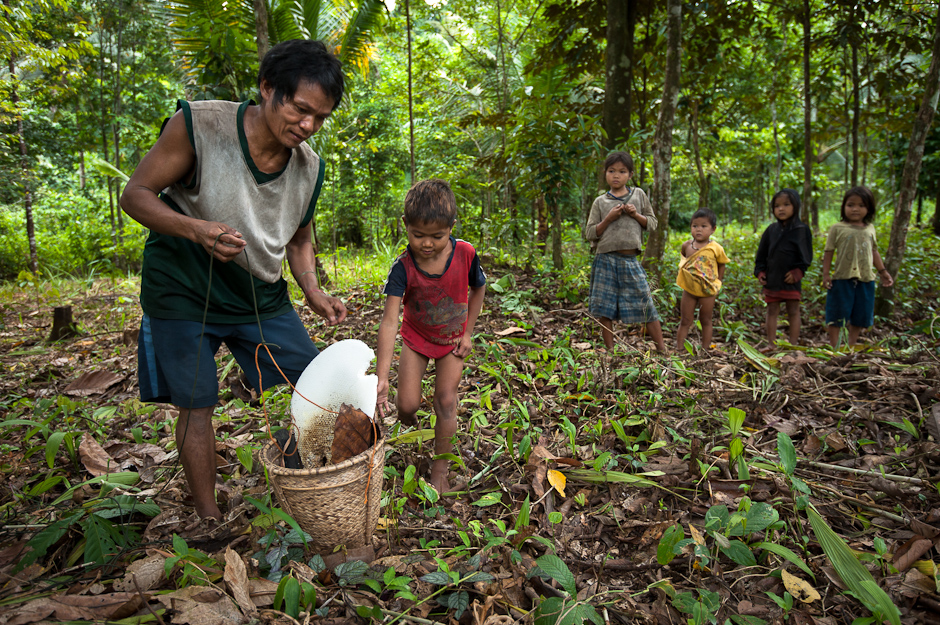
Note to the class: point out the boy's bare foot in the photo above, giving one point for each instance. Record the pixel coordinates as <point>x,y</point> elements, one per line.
<point>439,476</point>
<point>408,419</point>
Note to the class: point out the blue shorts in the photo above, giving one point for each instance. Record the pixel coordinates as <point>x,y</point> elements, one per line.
<point>620,291</point>
<point>169,371</point>
<point>851,301</point>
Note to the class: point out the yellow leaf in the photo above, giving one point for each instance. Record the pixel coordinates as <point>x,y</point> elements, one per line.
<point>800,589</point>
<point>557,480</point>
<point>696,535</point>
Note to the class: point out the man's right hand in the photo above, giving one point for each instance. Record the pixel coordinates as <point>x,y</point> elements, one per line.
<point>230,241</point>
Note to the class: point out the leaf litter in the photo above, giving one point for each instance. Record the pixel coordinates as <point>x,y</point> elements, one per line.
<point>608,486</point>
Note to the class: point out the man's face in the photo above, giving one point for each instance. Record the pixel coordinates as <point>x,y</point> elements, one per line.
<point>296,119</point>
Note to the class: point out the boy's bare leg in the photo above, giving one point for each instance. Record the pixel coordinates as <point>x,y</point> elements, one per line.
<point>411,368</point>
<point>607,331</point>
<point>854,332</point>
<point>706,306</point>
<point>773,311</point>
<point>793,315</point>
<point>449,372</point>
<point>655,330</point>
<point>195,439</point>
<point>834,331</point>
<point>686,317</point>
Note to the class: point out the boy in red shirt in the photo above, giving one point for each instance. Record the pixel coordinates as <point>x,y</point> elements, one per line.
<point>440,282</point>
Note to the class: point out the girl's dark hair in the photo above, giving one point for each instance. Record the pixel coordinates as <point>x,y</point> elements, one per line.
<point>868,199</point>
<point>291,62</point>
<point>619,157</point>
<point>431,202</point>
<point>708,214</point>
<point>794,201</point>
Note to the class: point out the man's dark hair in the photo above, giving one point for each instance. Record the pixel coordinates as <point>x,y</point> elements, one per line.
<point>292,62</point>
<point>619,157</point>
<point>794,198</point>
<point>867,198</point>
<point>431,202</point>
<point>708,214</point>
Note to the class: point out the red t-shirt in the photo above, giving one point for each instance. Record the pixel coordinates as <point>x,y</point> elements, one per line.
<point>435,315</point>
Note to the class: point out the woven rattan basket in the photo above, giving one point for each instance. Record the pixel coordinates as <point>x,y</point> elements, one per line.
<point>337,504</point>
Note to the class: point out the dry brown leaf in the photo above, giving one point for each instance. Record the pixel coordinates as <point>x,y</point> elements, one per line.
<point>236,578</point>
<point>354,434</point>
<point>198,605</point>
<point>149,572</point>
<point>696,535</point>
<point>95,459</point>
<point>111,606</point>
<point>910,552</point>
<point>799,588</point>
<point>93,382</point>
<point>510,330</point>
<point>262,592</point>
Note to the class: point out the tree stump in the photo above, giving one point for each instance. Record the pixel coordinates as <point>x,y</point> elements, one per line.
<point>62,325</point>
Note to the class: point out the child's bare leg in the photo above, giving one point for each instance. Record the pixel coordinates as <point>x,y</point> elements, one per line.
<point>411,368</point>
<point>793,315</point>
<point>655,330</point>
<point>607,331</point>
<point>449,372</point>
<point>854,332</point>
<point>773,311</point>
<point>686,317</point>
<point>834,332</point>
<point>706,306</point>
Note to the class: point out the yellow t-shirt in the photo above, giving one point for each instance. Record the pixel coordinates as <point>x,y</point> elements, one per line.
<point>698,273</point>
<point>854,251</point>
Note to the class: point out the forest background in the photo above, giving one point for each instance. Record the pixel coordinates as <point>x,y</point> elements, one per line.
<point>515,103</point>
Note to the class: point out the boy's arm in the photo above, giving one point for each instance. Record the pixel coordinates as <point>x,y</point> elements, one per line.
<point>388,330</point>
<point>474,306</point>
<point>886,279</point>
<point>721,271</point>
<point>827,264</point>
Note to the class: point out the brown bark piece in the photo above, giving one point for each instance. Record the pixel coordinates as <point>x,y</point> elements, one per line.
<point>354,434</point>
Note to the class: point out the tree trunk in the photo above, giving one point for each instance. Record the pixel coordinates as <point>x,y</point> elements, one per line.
<point>884,302</point>
<point>935,220</point>
<point>558,259</point>
<point>24,166</point>
<point>807,121</point>
<point>856,113</point>
<point>261,28</point>
<point>703,183</point>
<point>411,114</point>
<point>618,91</point>
<point>63,326</point>
<point>662,143</point>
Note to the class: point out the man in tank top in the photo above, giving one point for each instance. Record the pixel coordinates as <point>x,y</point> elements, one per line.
<point>229,191</point>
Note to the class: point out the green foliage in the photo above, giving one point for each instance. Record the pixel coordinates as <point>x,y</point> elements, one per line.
<point>557,610</point>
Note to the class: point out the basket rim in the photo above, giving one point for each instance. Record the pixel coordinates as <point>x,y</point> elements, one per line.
<point>331,468</point>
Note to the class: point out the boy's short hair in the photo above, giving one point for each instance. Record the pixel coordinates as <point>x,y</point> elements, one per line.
<point>291,62</point>
<point>868,199</point>
<point>619,157</point>
<point>708,214</point>
<point>431,202</point>
<point>792,195</point>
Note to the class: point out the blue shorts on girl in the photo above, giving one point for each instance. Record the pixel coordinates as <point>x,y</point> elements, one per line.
<point>851,301</point>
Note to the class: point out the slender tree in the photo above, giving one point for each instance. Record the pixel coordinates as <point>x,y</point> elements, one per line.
<point>807,124</point>
<point>618,97</point>
<point>884,303</point>
<point>662,143</point>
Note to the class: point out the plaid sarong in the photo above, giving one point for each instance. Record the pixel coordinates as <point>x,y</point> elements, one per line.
<point>619,290</point>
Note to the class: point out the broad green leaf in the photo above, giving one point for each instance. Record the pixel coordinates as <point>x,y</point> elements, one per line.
<point>554,567</point>
<point>290,521</point>
<point>46,538</point>
<point>735,420</point>
<point>478,576</point>
<point>740,553</point>
<point>457,601</point>
<point>52,446</point>
<point>438,578</point>
<point>760,517</point>
<point>489,499</point>
<point>787,452</point>
<point>102,539</point>
<point>351,572</point>
<point>666,550</point>
<point>739,619</point>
